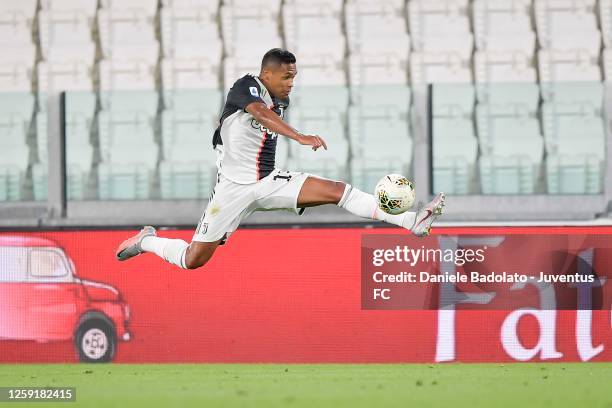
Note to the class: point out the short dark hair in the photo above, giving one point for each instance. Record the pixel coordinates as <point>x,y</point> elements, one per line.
<point>277,56</point>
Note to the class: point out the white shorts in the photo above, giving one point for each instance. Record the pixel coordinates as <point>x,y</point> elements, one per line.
<point>231,202</point>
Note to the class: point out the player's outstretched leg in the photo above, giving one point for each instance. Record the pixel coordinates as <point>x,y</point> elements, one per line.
<point>174,251</point>
<point>316,191</point>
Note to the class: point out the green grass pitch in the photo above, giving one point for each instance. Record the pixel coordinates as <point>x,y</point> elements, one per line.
<point>321,385</point>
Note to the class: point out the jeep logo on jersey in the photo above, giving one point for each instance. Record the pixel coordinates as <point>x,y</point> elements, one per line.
<point>254,91</point>
<point>256,125</point>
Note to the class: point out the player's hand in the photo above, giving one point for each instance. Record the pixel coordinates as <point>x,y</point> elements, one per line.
<point>312,140</point>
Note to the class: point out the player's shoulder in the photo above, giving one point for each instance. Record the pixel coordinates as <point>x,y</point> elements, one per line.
<point>247,83</point>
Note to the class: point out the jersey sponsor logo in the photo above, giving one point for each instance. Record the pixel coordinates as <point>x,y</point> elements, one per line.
<point>254,91</point>
<point>256,125</point>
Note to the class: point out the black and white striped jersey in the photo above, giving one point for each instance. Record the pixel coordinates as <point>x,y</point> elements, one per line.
<point>247,149</point>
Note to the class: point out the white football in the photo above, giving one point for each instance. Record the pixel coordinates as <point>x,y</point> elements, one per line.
<point>394,194</point>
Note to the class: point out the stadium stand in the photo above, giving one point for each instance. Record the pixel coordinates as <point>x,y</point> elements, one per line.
<point>379,118</point>
<point>68,54</point>
<point>248,32</point>
<point>519,91</point>
<point>17,101</point>
<point>190,73</point>
<point>129,99</point>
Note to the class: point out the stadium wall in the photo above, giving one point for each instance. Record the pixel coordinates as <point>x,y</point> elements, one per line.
<point>294,296</point>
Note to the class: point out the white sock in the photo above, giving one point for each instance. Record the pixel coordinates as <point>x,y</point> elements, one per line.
<point>171,250</point>
<point>364,205</point>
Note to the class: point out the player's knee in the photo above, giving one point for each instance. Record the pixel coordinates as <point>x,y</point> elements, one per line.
<point>195,262</point>
<point>337,191</point>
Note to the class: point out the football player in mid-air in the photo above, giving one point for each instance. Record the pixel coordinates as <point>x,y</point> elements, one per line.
<point>247,180</point>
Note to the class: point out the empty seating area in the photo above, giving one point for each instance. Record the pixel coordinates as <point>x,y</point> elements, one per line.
<point>539,107</point>
<point>518,97</point>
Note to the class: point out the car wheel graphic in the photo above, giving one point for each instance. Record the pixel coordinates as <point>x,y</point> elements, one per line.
<point>95,342</point>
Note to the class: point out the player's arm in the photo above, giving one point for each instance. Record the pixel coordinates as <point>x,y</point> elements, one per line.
<point>274,123</point>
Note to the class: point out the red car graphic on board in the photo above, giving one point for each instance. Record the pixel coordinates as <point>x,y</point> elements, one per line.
<point>42,299</point>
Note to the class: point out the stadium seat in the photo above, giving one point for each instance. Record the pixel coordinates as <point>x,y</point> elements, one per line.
<point>319,7</point>
<point>605,15</point>
<point>300,17</point>
<point>378,42</point>
<point>248,32</point>
<point>519,97</point>
<point>331,163</point>
<point>68,52</point>
<point>87,7</point>
<point>374,68</point>
<point>127,115</point>
<point>211,7</point>
<point>188,181</point>
<point>56,76</point>
<point>556,66</point>
<point>460,46</point>
<point>575,138</point>
<point>574,175</point>
<point>504,66</point>
<point>321,51</point>
<point>18,51</point>
<point>590,94</point>
<point>125,75</point>
<point>127,147</point>
<point>67,49</point>
<point>188,123</point>
<point>440,67</point>
<point>69,30</point>
<point>455,148</point>
<point>17,22</point>
<point>573,130</point>
<point>16,110</point>
<point>426,18</point>
<point>380,133</point>
<point>569,25</point>
<point>320,110</point>
<point>147,8</point>
<point>236,67</point>
<point>510,141</point>
<point>373,26</point>
<point>453,100</point>
<point>189,74</point>
<point>506,175</point>
<point>317,69</point>
<point>26,8</point>
<point>17,68</point>
<point>191,46</point>
<point>272,5</point>
<point>190,32</point>
<point>79,110</point>
<point>506,130</point>
<point>127,30</point>
<point>123,182</point>
<point>503,25</point>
